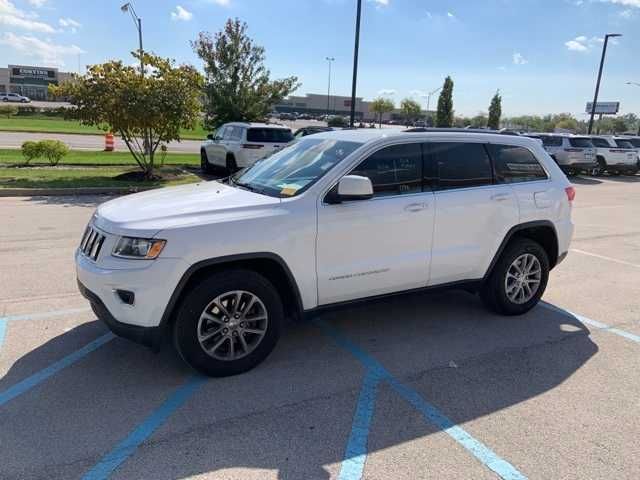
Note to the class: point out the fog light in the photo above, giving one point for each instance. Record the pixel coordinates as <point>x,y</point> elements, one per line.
<point>126,296</point>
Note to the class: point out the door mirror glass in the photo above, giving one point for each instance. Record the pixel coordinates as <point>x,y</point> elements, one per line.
<point>211,136</point>
<point>351,187</point>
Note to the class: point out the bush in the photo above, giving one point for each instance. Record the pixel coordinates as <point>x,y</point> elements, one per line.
<point>52,150</point>
<point>8,110</point>
<point>30,150</point>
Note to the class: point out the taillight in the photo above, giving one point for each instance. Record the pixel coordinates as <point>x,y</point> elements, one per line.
<point>571,193</point>
<point>252,146</point>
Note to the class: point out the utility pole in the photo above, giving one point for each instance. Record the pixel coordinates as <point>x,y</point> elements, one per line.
<point>329,59</point>
<point>595,97</point>
<point>355,66</point>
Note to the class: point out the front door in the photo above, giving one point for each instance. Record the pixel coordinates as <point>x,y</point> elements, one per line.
<point>382,245</point>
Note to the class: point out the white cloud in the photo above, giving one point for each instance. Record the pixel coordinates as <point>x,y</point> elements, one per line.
<point>626,3</point>
<point>576,46</point>
<point>13,17</point>
<point>69,23</point>
<point>222,3</point>
<point>380,3</point>
<point>584,44</point>
<point>518,59</point>
<point>386,92</point>
<point>181,14</point>
<point>37,3</point>
<point>450,15</point>
<point>44,52</point>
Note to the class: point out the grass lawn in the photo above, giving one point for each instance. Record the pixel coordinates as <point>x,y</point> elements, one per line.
<point>43,124</point>
<point>81,157</point>
<point>80,177</point>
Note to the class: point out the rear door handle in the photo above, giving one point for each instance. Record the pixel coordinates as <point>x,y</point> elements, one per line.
<point>415,207</point>
<point>500,197</point>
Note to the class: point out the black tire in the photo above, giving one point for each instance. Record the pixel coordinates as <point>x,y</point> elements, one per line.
<point>185,332</point>
<point>205,166</point>
<point>493,291</point>
<point>232,166</point>
<point>601,168</point>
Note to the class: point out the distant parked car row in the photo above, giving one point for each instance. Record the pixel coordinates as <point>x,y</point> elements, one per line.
<point>594,154</point>
<point>14,97</point>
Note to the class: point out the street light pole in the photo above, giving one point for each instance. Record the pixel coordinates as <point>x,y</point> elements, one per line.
<point>595,97</point>
<point>128,7</point>
<point>429,97</point>
<point>355,66</point>
<point>329,59</point>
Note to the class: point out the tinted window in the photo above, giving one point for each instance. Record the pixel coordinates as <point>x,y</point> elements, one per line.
<point>269,135</point>
<point>551,141</point>
<point>624,143</point>
<point>635,142</point>
<point>600,143</point>
<point>460,165</point>
<point>515,164</point>
<point>236,134</point>
<point>581,142</point>
<point>395,170</point>
<point>220,133</point>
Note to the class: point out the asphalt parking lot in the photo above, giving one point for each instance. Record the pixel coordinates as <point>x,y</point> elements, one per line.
<point>421,386</point>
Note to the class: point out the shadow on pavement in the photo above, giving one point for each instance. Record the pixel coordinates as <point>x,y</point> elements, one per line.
<point>292,415</point>
<point>71,200</point>
<point>585,180</point>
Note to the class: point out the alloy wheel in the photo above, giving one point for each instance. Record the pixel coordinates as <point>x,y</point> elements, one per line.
<point>523,278</point>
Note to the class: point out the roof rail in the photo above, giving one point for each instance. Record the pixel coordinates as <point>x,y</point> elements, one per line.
<point>457,130</point>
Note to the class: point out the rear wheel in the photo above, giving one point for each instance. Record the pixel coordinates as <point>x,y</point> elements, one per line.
<point>601,168</point>
<point>232,166</point>
<point>518,279</point>
<point>229,323</point>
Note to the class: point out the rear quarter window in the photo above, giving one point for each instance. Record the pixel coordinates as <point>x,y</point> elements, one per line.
<point>581,142</point>
<point>623,143</point>
<point>515,164</point>
<point>269,135</point>
<point>600,143</point>
<point>551,141</point>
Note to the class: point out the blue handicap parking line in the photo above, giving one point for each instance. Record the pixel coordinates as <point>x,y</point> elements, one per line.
<point>479,450</point>
<point>37,316</point>
<point>356,451</point>
<point>111,461</point>
<point>39,377</point>
<point>594,323</point>
<point>3,331</point>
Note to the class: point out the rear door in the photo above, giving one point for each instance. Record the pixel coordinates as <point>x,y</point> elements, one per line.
<point>472,214</point>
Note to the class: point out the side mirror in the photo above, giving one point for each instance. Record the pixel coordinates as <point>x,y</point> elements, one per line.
<point>211,136</point>
<point>350,188</point>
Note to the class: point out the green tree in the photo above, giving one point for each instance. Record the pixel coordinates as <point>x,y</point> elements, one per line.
<point>620,125</point>
<point>444,115</point>
<point>238,87</point>
<point>380,106</point>
<point>479,121</point>
<point>410,109</point>
<point>8,110</point>
<point>495,111</point>
<point>145,111</point>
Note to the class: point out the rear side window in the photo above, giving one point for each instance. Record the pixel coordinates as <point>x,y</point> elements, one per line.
<point>635,142</point>
<point>623,143</point>
<point>515,164</point>
<point>600,143</point>
<point>551,141</point>
<point>394,170</point>
<point>269,135</point>
<point>460,165</point>
<point>581,142</point>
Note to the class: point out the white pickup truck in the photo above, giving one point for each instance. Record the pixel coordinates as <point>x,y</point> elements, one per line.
<point>334,218</point>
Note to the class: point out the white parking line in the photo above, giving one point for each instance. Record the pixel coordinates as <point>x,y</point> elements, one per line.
<point>602,257</point>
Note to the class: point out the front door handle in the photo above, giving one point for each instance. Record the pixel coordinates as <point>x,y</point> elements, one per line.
<point>500,197</point>
<point>415,207</point>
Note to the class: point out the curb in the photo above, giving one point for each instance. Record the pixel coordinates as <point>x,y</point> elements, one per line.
<point>36,192</point>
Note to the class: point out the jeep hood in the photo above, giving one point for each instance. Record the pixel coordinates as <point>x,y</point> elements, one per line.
<point>145,214</point>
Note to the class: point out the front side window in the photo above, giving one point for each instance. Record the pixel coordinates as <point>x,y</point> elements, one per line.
<point>601,142</point>
<point>460,165</point>
<point>624,144</point>
<point>515,164</point>
<point>292,170</point>
<point>236,134</point>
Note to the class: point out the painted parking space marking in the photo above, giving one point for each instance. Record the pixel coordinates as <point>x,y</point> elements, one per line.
<point>52,314</point>
<point>3,331</point>
<point>111,461</point>
<point>594,323</point>
<point>479,450</point>
<point>39,377</point>
<point>603,257</point>
<point>355,454</point>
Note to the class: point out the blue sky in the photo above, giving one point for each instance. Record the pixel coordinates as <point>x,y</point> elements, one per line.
<point>541,54</point>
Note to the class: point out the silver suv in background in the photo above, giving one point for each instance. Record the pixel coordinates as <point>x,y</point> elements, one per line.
<point>635,141</point>
<point>572,153</point>
<point>615,155</point>
<point>14,97</point>
<point>239,145</point>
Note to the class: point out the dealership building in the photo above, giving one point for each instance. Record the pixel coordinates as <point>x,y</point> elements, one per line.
<point>30,81</point>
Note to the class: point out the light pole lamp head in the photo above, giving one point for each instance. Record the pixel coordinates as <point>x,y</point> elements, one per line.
<point>125,7</point>
<point>613,35</point>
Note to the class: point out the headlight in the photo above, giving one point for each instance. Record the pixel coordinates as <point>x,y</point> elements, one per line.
<point>138,248</point>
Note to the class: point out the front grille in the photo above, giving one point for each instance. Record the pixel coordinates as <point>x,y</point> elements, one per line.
<point>91,243</point>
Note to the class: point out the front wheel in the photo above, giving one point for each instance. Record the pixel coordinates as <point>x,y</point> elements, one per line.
<point>518,279</point>
<point>229,323</point>
<point>205,166</point>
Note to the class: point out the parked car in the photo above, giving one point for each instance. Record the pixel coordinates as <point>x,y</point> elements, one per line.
<point>334,218</point>
<point>635,141</point>
<point>305,131</point>
<point>14,97</point>
<point>615,155</point>
<point>572,153</point>
<point>239,145</point>
<point>286,116</point>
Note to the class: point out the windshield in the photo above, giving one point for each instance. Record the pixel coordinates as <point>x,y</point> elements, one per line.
<point>295,168</point>
<point>623,143</point>
<point>581,142</point>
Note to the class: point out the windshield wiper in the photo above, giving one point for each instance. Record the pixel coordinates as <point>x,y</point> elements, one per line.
<point>249,187</point>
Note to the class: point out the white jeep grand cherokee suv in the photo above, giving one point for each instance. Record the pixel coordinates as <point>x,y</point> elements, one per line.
<point>334,218</point>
